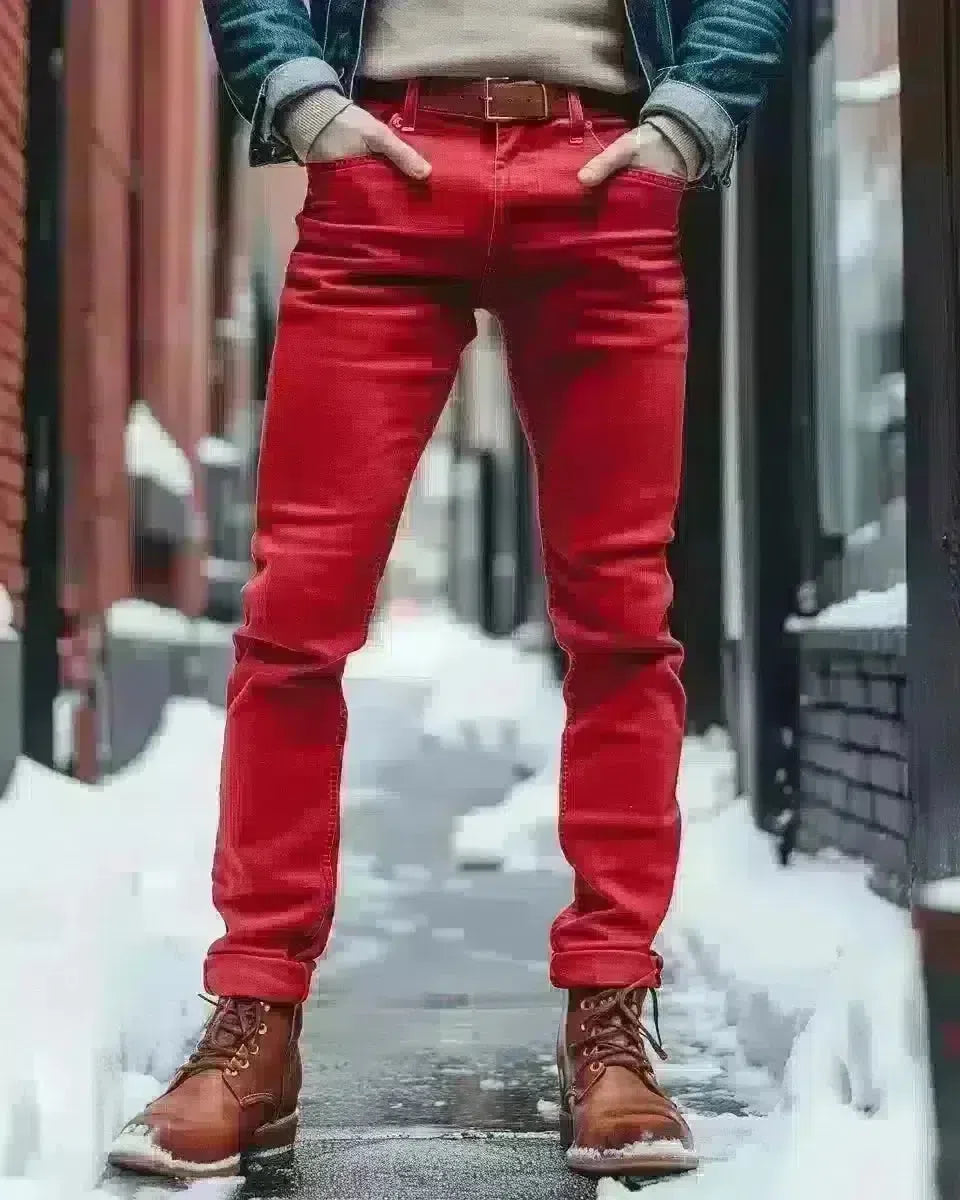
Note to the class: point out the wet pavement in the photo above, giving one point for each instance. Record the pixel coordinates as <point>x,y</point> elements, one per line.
<point>428,1048</point>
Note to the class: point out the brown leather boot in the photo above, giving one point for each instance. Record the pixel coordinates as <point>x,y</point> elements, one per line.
<point>614,1117</point>
<point>235,1098</point>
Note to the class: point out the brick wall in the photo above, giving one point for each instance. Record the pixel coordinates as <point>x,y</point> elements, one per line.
<point>176,81</point>
<point>852,754</point>
<point>96,305</point>
<point>12,179</point>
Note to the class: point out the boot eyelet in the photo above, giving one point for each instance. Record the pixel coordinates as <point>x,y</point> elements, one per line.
<point>245,1064</point>
<point>595,1066</point>
<point>583,1028</point>
<point>262,1030</point>
<point>233,1074</point>
<point>254,1050</point>
<point>266,1008</point>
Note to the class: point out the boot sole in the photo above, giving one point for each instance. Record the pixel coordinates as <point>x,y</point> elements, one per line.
<point>658,1163</point>
<point>136,1152</point>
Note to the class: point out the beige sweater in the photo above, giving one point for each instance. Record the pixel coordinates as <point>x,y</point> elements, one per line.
<point>575,42</point>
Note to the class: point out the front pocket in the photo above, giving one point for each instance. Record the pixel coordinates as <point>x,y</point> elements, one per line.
<point>673,183</point>
<point>322,165</point>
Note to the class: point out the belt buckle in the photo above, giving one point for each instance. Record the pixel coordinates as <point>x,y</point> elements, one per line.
<point>488,99</point>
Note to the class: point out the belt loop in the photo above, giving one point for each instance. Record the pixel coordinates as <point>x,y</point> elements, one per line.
<point>410,102</point>
<point>577,123</point>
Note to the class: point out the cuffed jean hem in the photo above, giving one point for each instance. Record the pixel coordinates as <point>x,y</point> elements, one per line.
<point>276,980</point>
<point>605,969</point>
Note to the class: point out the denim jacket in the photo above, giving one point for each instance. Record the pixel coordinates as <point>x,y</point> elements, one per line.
<point>706,63</point>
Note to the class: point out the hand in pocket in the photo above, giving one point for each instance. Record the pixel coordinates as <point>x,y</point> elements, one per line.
<point>644,148</point>
<point>355,132</point>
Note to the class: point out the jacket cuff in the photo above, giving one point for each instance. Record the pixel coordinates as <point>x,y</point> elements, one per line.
<point>684,141</point>
<point>282,87</point>
<point>305,119</point>
<point>706,118</point>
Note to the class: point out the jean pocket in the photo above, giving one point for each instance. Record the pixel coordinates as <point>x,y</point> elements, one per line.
<point>321,166</point>
<point>674,183</point>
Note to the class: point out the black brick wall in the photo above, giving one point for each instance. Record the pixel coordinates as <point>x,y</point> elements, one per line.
<point>852,755</point>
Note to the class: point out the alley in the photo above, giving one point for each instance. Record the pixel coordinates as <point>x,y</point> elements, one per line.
<point>429,1037</point>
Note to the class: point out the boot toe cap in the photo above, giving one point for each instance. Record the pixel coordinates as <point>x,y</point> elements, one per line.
<point>165,1145</point>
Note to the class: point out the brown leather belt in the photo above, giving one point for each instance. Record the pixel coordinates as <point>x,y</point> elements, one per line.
<point>499,99</point>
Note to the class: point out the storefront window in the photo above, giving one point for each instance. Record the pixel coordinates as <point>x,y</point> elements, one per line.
<point>858,289</point>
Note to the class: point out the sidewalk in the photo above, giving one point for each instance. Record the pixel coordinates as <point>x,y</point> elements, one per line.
<point>430,1038</point>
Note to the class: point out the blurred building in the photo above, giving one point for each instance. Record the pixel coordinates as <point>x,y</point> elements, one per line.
<point>841,467</point>
<point>12,173</point>
<point>128,438</point>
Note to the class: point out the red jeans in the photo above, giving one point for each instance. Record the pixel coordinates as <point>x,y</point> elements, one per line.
<point>377,307</point>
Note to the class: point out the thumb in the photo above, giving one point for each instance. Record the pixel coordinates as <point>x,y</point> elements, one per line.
<point>604,164</point>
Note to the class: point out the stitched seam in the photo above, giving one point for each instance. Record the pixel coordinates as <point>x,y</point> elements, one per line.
<point>340,164</point>
<point>546,558</point>
<point>493,221</point>
<point>656,178</point>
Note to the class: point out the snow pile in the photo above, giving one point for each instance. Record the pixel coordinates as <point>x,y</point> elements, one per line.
<point>860,1113</point>
<point>415,649</point>
<point>215,452</point>
<point>942,896</point>
<point>483,689</point>
<point>865,610</point>
<point>145,621</point>
<point>105,911</point>
<point>141,620</point>
<point>493,694</point>
<point>768,934</point>
<point>6,613</point>
<point>151,453</point>
<point>520,833</point>
<point>820,979</point>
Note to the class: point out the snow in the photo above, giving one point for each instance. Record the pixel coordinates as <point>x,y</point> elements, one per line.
<point>101,969</point>
<point>820,979</point>
<point>865,610</point>
<point>227,570</point>
<point>6,613</point>
<point>151,453</point>
<point>483,689</point>
<point>519,834</point>
<point>142,620</point>
<point>105,915</point>
<point>941,896</point>
<point>414,650</point>
<point>215,452</point>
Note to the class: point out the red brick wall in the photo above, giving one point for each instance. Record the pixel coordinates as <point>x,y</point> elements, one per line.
<point>96,305</point>
<point>175,73</point>
<point>12,97</point>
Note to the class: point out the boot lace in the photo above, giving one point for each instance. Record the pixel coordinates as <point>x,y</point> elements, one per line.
<point>615,1035</point>
<point>228,1040</point>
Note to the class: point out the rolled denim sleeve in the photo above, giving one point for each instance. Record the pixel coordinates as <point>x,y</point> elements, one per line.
<point>727,54</point>
<point>268,57</point>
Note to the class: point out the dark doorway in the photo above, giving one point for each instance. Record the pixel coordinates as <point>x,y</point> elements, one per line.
<point>695,556</point>
<point>41,394</point>
<point>930,123</point>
